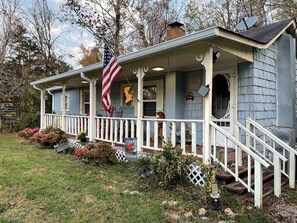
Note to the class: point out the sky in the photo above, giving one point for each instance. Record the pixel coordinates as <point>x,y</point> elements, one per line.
<point>71,37</point>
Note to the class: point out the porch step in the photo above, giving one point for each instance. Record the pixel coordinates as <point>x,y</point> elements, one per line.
<point>225,177</point>
<point>238,188</point>
<point>268,189</point>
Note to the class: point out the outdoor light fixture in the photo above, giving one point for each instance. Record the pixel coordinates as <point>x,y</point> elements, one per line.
<point>158,68</point>
<point>84,82</point>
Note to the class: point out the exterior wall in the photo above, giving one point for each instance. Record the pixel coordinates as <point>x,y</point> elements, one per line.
<point>257,87</point>
<point>192,81</point>
<point>267,88</point>
<point>74,102</point>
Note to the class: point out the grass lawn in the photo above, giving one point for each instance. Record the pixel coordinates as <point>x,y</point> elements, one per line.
<point>42,186</point>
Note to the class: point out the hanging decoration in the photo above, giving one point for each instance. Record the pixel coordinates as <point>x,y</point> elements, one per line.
<point>189,96</point>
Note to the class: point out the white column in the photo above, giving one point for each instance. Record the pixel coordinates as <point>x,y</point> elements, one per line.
<point>42,109</point>
<point>207,62</point>
<point>63,107</point>
<point>92,109</point>
<point>140,72</point>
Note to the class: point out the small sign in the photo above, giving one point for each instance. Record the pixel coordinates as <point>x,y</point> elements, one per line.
<point>131,146</point>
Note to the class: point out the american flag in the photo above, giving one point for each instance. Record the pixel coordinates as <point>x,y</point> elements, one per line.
<point>111,69</point>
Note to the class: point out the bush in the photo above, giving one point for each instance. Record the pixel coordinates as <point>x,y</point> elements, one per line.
<point>29,119</point>
<point>97,154</point>
<point>165,170</point>
<point>49,137</point>
<point>27,133</point>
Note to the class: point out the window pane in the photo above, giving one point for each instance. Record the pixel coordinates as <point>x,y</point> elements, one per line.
<point>149,93</point>
<point>87,96</point>
<point>149,108</point>
<point>127,96</point>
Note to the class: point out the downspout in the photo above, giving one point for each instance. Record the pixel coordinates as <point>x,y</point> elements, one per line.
<point>53,100</point>
<point>92,106</point>
<point>42,106</point>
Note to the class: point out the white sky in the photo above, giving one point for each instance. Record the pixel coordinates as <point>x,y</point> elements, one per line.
<point>71,37</point>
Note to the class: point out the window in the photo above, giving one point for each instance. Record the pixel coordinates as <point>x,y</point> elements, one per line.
<point>67,102</point>
<point>149,100</point>
<point>127,96</point>
<point>86,102</point>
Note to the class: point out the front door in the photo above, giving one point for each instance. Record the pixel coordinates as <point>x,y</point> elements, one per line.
<point>223,103</point>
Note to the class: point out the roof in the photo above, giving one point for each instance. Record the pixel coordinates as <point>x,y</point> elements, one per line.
<point>258,38</point>
<point>265,34</point>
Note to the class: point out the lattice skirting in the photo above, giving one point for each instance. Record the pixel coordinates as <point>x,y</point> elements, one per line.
<point>195,175</point>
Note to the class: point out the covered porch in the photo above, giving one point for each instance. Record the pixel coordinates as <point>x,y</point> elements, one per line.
<point>207,130</point>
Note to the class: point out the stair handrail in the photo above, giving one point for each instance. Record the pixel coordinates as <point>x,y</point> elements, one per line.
<point>238,143</point>
<point>259,164</point>
<point>277,157</point>
<point>292,152</point>
<point>247,131</point>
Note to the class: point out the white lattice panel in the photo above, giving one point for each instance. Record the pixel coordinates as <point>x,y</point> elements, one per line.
<point>73,143</point>
<point>194,175</point>
<point>121,155</point>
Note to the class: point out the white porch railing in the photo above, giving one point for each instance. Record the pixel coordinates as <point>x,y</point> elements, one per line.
<point>114,130</point>
<point>75,124</point>
<point>252,158</point>
<point>256,131</point>
<point>180,131</point>
<point>53,120</point>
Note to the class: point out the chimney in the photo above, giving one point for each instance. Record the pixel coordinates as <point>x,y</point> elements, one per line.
<point>175,30</point>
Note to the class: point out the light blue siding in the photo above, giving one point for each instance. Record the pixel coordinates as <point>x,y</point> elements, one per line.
<point>74,102</point>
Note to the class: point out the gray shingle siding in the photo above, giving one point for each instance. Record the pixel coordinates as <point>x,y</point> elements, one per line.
<point>257,87</point>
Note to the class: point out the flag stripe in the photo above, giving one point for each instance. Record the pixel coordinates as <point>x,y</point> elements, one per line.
<point>111,70</point>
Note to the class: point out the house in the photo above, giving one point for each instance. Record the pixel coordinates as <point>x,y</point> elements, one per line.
<point>247,97</point>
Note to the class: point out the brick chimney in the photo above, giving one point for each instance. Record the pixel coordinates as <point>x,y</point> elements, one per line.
<point>175,30</point>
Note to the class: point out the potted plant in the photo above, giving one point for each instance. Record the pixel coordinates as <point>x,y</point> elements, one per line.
<point>82,136</point>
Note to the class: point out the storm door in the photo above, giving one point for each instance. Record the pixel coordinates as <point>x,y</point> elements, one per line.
<point>223,103</point>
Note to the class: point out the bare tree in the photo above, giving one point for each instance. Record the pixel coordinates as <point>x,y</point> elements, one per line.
<point>9,12</point>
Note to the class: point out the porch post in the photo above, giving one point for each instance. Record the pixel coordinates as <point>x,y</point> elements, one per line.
<point>42,109</point>
<point>63,107</point>
<point>42,106</point>
<point>140,72</point>
<point>92,109</point>
<point>207,62</point>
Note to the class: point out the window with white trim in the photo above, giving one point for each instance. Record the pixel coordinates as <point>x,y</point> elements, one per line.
<point>67,102</point>
<point>149,100</point>
<point>152,98</point>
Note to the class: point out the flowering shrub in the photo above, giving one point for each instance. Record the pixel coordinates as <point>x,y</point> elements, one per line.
<point>27,133</point>
<point>80,152</point>
<point>97,154</point>
<point>49,137</point>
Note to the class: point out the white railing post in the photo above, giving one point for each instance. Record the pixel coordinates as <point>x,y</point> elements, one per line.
<point>292,170</point>
<point>194,136</point>
<point>156,134</point>
<point>277,174</point>
<point>173,133</point>
<point>258,192</point>
<point>183,137</point>
<point>63,107</point>
<point>239,152</point>
<point>148,133</point>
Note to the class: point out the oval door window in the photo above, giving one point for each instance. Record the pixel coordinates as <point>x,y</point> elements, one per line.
<point>220,96</point>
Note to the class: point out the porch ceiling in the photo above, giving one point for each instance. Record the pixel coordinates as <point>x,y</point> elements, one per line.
<point>181,60</point>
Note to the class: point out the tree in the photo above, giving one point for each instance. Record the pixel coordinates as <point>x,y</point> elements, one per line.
<point>41,20</point>
<point>9,11</point>
<point>283,9</point>
<point>223,13</point>
<point>91,55</point>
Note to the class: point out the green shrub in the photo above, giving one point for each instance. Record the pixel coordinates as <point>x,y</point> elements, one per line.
<point>29,119</point>
<point>97,154</point>
<point>166,169</point>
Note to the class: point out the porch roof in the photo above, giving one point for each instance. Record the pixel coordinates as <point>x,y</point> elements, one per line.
<point>215,36</point>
